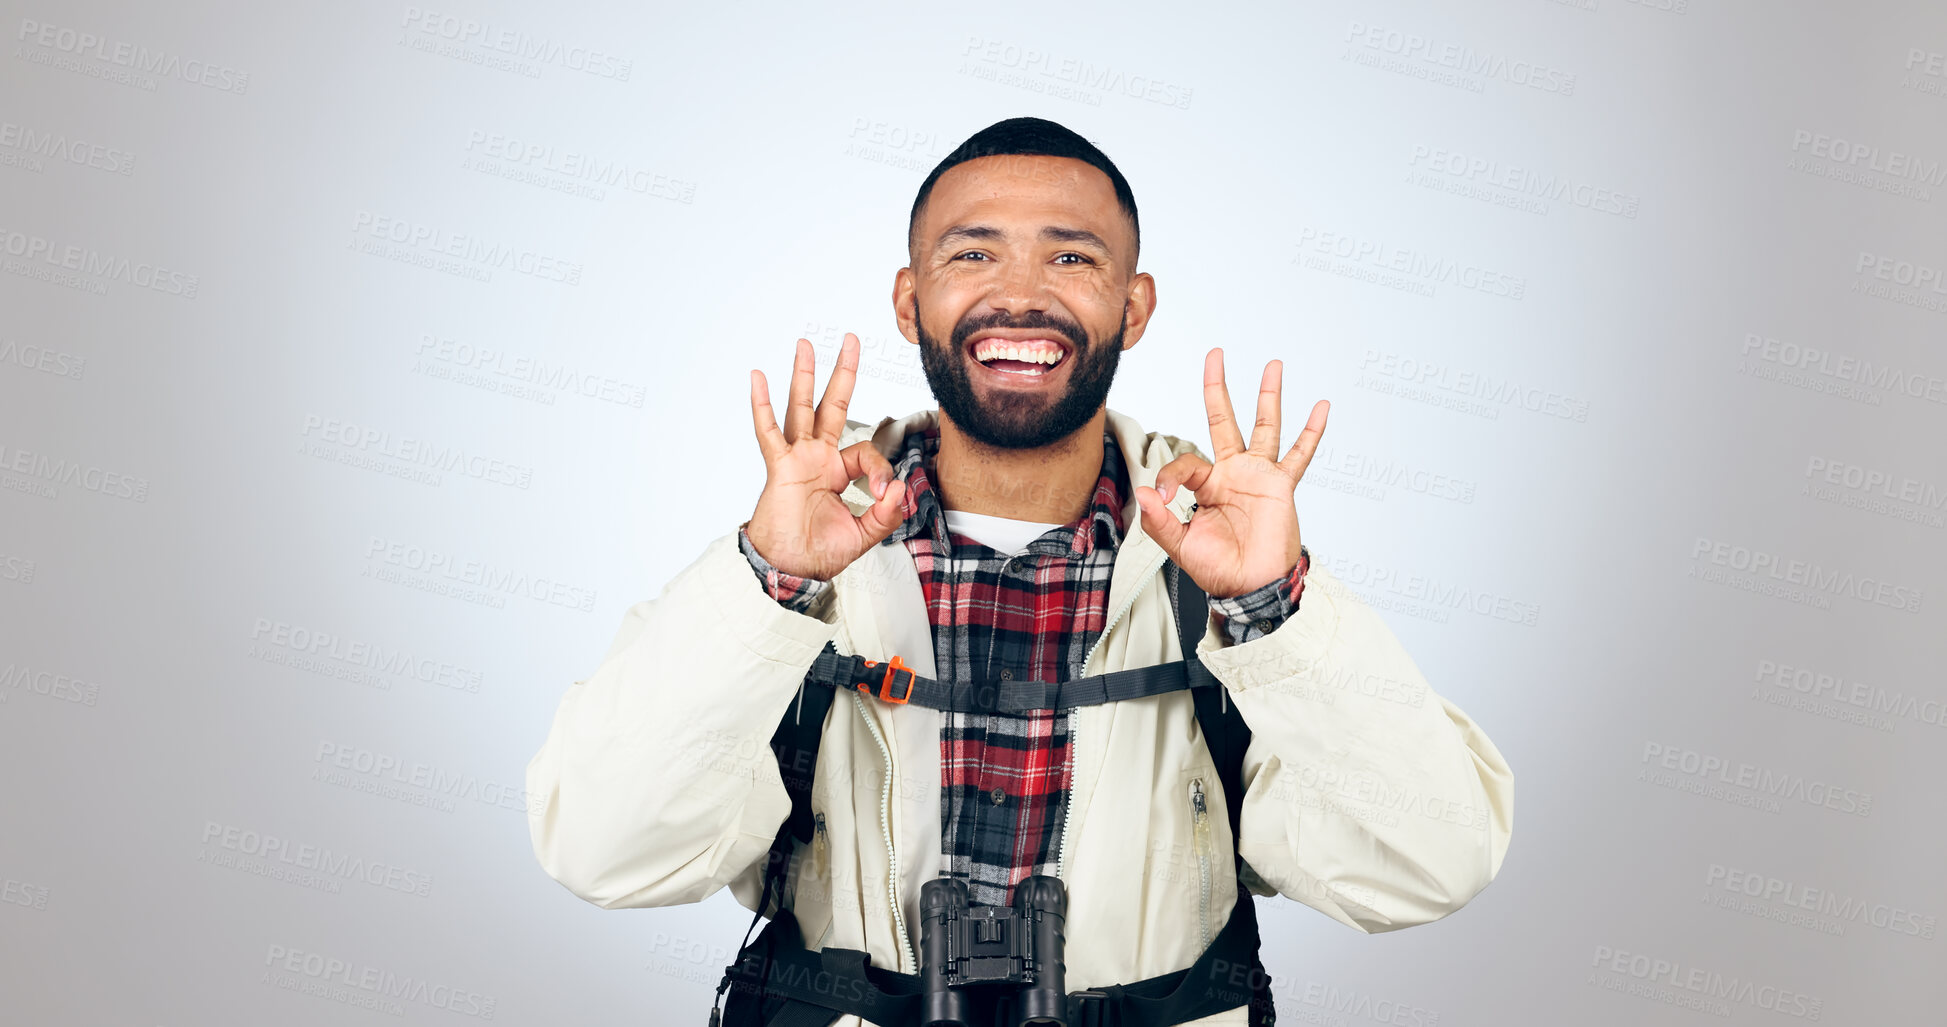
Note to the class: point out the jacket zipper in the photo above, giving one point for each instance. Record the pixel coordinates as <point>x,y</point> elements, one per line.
<point>885,832</point>
<point>821,851</point>
<point>1200,821</point>
<point>1068,808</point>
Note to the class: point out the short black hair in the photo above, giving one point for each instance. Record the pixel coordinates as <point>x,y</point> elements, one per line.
<point>1031,137</point>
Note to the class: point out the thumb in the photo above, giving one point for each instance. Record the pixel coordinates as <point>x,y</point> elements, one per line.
<point>1158,522</point>
<point>886,513</point>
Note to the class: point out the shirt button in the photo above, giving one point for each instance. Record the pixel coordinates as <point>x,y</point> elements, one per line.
<point>999,796</point>
<point>1007,675</point>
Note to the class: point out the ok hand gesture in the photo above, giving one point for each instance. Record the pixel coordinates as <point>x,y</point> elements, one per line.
<point>1244,533</point>
<point>801,525</point>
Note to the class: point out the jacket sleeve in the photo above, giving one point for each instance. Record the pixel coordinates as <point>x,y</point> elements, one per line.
<point>1367,796</point>
<point>657,785</point>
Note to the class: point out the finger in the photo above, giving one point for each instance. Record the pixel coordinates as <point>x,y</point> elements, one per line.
<point>1264,434</point>
<point>1188,470</point>
<point>1300,457</point>
<point>1159,523</point>
<point>770,441</point>
<point>885,513</point>
<point>1224,437</point>
<point>830,422</point>
<point>863,460</point>
<point>798,413</point>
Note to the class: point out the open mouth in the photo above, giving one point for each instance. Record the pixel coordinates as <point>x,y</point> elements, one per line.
<point>1023,358</point>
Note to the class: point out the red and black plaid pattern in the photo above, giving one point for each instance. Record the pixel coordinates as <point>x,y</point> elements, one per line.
<point>1004,778</point>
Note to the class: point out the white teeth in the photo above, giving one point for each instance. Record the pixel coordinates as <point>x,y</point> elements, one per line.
<point>1003,350</point>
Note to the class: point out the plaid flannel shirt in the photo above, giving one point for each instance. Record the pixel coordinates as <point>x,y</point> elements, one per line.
<point>1004,778</point>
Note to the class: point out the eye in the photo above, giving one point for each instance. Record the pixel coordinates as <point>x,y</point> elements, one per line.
<point>1077,256</point>
<point>970,253</point>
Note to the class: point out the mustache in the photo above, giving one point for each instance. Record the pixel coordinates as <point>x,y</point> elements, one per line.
<point>1040,319</point>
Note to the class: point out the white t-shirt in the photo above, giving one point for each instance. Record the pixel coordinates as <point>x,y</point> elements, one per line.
<point>1002,534</point>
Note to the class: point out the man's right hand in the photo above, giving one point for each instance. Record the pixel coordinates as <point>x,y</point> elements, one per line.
<point>801,526</point>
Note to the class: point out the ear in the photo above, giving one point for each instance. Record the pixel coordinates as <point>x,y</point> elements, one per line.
<point>1137,308</point>
<point>904,287</point>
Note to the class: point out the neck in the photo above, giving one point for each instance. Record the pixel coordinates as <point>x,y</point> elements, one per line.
<point>1051,484</point>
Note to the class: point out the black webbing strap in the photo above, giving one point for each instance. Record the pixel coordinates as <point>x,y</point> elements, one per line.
<point>780,983</point>
<point>831,670</point>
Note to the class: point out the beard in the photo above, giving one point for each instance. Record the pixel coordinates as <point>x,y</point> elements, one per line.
<point>1019,419</point>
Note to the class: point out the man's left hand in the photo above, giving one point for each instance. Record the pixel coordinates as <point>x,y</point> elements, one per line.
<point>1244,533</point>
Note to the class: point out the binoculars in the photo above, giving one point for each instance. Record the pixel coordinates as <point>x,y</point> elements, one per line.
<point>966,947</point>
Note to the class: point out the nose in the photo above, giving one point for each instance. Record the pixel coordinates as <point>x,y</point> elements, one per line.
<point>1021,286</point>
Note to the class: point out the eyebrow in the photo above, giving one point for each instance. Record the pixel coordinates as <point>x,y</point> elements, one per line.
<point>1053,233</point>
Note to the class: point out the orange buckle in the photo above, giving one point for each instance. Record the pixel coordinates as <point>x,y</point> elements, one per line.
<point>885,683</point>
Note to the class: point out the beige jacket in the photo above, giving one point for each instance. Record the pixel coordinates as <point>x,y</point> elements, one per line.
<point>1368,797</point>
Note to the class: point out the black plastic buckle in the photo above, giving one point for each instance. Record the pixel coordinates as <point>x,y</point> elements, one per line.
<point>1088,1009</point>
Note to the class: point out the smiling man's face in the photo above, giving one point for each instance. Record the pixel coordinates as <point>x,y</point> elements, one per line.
<point>1022,294</point>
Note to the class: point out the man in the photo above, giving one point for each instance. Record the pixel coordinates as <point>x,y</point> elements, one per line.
<point>1021,532</point>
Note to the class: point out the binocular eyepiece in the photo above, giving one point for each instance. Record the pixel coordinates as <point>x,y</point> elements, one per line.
<point>966,946</point>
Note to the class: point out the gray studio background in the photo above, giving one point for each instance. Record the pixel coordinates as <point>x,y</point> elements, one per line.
<point>362,363</point>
